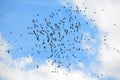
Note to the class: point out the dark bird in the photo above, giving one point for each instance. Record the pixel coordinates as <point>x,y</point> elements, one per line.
<point>37,66</point>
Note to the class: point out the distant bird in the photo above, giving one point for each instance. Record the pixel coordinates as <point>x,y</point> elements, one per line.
<point>11,33</point>
<point>8,51</point>
<point>101,74</point>
<point>37,66</point>
<point>37,14</point>
<point>21,35</point>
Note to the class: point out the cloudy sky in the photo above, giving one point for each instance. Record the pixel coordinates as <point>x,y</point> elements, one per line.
<point>99,58</point>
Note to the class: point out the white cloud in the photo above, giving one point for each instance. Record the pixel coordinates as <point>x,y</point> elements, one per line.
<point>15,69</point>
<point>107,18</point>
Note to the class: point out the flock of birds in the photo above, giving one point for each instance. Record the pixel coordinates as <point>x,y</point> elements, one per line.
<point>61,35</point>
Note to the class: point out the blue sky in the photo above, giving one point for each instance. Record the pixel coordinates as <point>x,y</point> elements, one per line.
<point>19,16</point>
<point>16,16</point>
